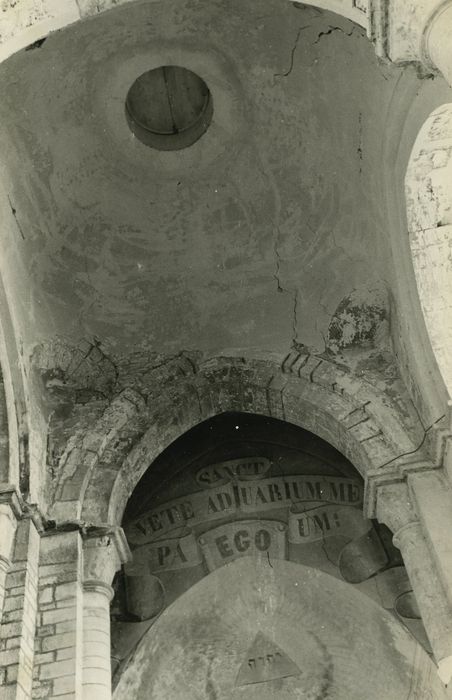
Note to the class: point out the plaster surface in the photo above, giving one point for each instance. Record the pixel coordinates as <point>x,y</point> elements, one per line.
<point>341,644</point>
<point>251,238</point>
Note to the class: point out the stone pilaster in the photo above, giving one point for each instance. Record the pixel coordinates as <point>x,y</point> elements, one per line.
<point>10,511</point>
<point>58,642</point>
<point>105,550</point>
<point>18,628</point>
<point>397,509</point>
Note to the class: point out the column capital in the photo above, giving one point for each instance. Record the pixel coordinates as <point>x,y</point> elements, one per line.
<point>409,530</point>
<point>394,507</point>
<point>391,483</point>
<point>9,496</point>
<point>10,513</point>
<point>105,549</point>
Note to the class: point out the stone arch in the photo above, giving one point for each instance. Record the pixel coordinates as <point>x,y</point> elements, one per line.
<point>22,25</point>
<point>307,390</point>
<point>14,434</point>
<point>5,475</point>
<point>429,212</point>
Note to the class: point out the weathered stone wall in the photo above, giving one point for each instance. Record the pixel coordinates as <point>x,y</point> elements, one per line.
<point>429,201</point>
<point>19,616</point>
<point>58,641</point>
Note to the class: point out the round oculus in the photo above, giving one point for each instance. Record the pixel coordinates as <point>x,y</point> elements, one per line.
<point>169,108</point>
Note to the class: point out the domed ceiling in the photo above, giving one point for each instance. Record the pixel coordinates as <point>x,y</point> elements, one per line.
<point>251,237</point>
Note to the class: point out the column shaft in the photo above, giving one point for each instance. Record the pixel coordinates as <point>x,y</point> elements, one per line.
<point>105,549</point>
<point>432,496</point>
<point>96,642</point>
<point>417,527</point>
<point>433,605</point>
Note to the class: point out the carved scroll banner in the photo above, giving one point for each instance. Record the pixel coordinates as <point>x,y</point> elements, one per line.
<point>362,558</point>
<point>240,539</point>
<point>248,468</point>
<point>165,555</point>
<point>145,596</point>
<point>241,498</point>
<point>315,524</point>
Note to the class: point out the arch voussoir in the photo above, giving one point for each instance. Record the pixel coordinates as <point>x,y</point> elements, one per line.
<point>350,415</point>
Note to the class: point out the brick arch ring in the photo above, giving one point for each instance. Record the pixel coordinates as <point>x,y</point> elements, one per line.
<point>306,390</point>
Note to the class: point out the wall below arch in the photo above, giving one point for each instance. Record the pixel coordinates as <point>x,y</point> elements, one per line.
<point>330,641</point>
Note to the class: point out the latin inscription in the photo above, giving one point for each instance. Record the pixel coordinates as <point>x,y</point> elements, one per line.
<point>238,539</point>
<point>325,521</point>
<point>245,498</point>
<point>244,469</point>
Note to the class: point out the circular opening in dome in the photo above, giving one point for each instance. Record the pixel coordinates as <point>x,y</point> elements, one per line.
<point>169,108</point>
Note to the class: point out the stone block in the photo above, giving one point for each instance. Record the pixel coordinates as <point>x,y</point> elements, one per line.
<point>13,603</point>
<point>59,641</point>
<point>57,669</point>
<point>8,657</point>
<point>46,595</point>
<point>66,626</point>
<point>41,690</point>
<point>49,617</point>
<point>44,658</point>
<point>15,579</point>
<point>63,654</point>
<point>59,548</point>
<point>11,629</point>
<point>64,685</point>
<point>67,590</point>
<point>12,615</point>
<point>12,673</point>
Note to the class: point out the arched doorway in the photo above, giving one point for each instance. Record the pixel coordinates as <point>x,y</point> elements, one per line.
<point>242,495</point>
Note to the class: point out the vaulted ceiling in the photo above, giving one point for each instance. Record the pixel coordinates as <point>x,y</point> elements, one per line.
<point>251,237</point>
<point>280,224</point>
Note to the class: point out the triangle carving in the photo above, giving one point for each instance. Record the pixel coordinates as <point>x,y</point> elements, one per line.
<point>265,661</point>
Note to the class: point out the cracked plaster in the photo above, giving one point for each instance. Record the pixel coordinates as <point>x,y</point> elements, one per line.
<point>252,250</point>
<point>280,186</point>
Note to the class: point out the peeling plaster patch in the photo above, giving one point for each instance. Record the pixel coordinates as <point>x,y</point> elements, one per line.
<point>36,44</point>
<point>86,369</point>
<point>361,318</point>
